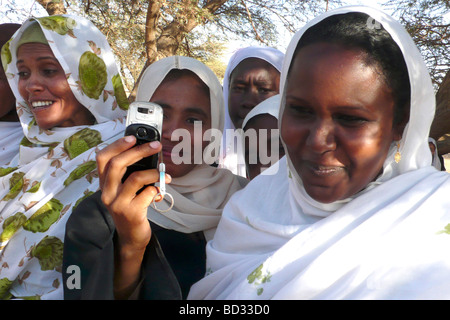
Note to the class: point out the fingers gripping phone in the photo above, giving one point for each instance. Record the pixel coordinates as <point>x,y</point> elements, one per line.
<point>144,121</point>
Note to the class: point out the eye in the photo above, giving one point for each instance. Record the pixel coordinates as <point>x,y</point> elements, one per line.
<point>300,111</point>
<point>193,120</point>
<point>22,74</point>
<point>351,120</point>
<point>50,71</point>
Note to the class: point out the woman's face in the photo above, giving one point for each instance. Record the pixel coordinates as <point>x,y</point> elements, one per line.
<point>8,101</point>
<point>184,101</point>
<point>43,84</point>
<point>338,121</point>
<point>256,159</point>
<point>252,81</point>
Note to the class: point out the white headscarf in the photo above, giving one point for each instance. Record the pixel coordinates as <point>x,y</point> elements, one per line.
<point>269,106</point>
<point>231,159</point>
<point>11,134</point>
<point>56,167</point>
<point>200,195</point>
<point>386,242</point>
<point>436,162</point>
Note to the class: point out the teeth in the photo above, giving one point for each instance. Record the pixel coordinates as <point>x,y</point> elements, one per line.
<point>36,104</point>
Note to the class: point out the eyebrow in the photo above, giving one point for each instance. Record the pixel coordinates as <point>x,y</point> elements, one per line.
<point>39,59</point>
<point>187,110</point>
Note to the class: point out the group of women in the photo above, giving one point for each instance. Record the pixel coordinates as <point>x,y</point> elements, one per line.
<point>354,210</point>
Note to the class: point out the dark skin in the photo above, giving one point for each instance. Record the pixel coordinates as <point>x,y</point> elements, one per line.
<point>43,81</point>
<point>267,122</point>
<point>7,99</point>
<point>338,121</point>
<point>251,82</point>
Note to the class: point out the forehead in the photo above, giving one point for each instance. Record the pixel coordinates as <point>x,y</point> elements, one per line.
<point>262,121</point>
<point>184,91</point>
<point>252,66</point>
<point>33,50</point>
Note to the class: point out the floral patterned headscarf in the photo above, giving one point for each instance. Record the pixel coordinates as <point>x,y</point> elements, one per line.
<point>55,168</point>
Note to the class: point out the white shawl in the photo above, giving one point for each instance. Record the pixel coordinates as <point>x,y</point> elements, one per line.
<point>56,167</point>
<point>200,195</point>
<point>11,134</point>
<point>390,241</point>
<point>230,157</point>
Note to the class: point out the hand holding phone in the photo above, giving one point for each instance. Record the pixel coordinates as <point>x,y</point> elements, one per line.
<point>144,121</point>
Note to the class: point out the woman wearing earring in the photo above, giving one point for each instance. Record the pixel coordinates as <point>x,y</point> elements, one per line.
<point>70,102</point>
<point>356,211</point>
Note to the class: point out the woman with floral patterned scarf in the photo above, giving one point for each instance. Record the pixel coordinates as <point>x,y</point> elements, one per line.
<point>71,103</point>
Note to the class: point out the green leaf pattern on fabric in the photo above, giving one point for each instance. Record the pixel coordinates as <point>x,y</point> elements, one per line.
<point>5,285</point>
<point>81,171</point>
<point>6,55</point>
<point>59,24</point>
<point>257,278</point>
<point>43,218</point>
<point>82,141</point>
<point>7,170</point>
<point>49,252</point>
<point>11,225</point>
<point>446,230</point>
<point>93,75</point>
<point>119,92</point>
<point>15,186</point>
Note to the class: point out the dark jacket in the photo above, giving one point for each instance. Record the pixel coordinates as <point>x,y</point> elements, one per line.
<point>173,261</point>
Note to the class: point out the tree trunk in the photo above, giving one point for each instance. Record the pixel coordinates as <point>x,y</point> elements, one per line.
<point>53,6</point>
<point>171,36</point>
<point>440,129</point>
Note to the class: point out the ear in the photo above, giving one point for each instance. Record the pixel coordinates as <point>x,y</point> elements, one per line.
<point>399,127</point>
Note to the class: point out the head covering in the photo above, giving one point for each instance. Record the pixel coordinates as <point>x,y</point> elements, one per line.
<point>200,195</point>
<point>10,131</point>
<point>436,162</point>
<point>231,159</point>
<point>56,168</point>
<point>32,34</point>
<point>269,106</point>
<point>386,242</point>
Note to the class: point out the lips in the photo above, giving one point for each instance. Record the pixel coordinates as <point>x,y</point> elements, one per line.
<point>322,170</point>
<point>41,104</point>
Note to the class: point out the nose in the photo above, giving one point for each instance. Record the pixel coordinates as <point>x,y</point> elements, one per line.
<point>250,99</point>
<point>169,126</point>
<point>321,137</point>
<point>33,83</point>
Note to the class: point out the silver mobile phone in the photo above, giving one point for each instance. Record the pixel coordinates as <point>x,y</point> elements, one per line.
<point>144,121</point>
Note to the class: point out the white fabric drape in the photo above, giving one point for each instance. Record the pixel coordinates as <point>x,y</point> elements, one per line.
<point>389,241</point>
<point>56,167</point>
<point>11,134</point>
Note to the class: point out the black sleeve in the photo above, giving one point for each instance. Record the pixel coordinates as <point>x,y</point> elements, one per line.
<point>89,245</point>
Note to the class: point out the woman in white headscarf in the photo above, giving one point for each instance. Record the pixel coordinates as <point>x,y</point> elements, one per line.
<point>258,71</point>
<point>11,132</point>
<point>70,101</point>
<point>312,233</point>
<point>173,255</point>
<point>259,126</point>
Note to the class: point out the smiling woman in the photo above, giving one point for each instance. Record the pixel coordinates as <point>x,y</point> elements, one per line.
<point>344,217</point>
<point>65,121</point>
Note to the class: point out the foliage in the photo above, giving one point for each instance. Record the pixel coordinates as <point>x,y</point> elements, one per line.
<point>426,23</point>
